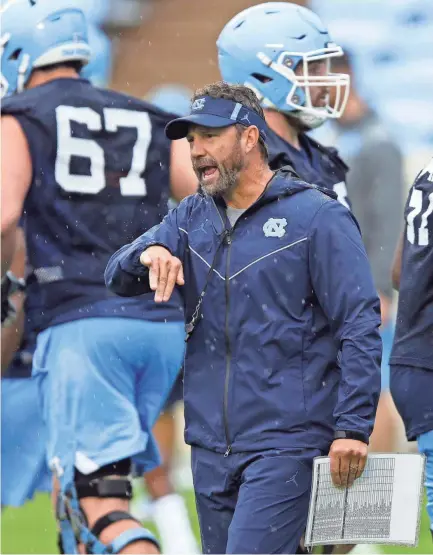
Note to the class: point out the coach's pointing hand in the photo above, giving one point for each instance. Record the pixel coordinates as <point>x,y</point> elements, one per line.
<point>348,458</point>
<point>165,271</point>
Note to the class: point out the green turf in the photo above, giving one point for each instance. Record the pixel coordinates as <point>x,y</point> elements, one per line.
<point>30,529</point>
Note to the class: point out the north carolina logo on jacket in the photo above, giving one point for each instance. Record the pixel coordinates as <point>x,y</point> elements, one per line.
<point>275,227</point>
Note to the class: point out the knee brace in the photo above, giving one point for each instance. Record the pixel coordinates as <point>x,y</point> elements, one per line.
<point>103,484</point>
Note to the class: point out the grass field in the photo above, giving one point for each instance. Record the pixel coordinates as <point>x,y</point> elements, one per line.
<point>30,529</point>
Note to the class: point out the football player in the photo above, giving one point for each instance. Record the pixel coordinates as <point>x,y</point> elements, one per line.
<point>411,359</point>
<point>284,52</point>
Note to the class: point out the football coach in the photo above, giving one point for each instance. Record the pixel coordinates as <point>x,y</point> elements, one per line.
<point>283,348</point>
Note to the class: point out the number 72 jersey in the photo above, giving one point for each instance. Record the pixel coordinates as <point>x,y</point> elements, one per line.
<point>100,179</point>
<point>413,341</point>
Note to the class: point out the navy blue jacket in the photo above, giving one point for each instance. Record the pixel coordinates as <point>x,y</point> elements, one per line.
<point>287,349</point>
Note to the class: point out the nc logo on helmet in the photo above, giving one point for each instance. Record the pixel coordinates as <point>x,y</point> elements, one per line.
<point>275,227</point>
<point>198,104</point>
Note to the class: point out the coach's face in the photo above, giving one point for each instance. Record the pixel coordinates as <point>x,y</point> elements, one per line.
<point>217,157</point>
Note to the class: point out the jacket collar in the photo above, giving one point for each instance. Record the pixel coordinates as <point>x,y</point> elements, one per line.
<point>284,183</point>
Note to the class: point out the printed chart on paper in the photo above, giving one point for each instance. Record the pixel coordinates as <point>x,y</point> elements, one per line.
<point>383,505</point>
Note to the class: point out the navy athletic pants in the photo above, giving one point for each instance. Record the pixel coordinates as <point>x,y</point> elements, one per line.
<point>252,502</point>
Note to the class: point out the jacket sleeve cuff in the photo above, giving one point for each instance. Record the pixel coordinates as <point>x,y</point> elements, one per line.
<point>352,434</point>
<point>131,263</point>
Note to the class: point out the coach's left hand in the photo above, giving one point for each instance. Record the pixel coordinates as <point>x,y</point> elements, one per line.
<point>348,458</point>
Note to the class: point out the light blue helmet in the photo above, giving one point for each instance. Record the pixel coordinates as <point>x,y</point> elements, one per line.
<point>38,33</point>
<point>263,45</point>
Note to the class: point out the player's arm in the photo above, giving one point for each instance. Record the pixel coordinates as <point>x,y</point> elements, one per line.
<point>182,177</point>
<point>11,334</point>
<point>16,177</point>
<point>396,265</point>
<point>153,261</point>
<point>342,281</point>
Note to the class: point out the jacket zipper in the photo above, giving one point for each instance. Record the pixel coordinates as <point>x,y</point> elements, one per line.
<point>228,348</point>
<point>228,241</point>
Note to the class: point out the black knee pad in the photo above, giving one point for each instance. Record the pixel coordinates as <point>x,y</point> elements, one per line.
<point>102,484</point>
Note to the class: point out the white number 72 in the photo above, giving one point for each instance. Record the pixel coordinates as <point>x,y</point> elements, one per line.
<point>67,146</point>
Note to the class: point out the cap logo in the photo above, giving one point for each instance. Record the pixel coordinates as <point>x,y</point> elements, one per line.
<point>198,104</point>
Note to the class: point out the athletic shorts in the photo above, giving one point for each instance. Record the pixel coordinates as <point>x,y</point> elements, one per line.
<point>104,383</point>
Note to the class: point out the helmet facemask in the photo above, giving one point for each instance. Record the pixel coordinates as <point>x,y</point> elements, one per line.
<point>295,68</point>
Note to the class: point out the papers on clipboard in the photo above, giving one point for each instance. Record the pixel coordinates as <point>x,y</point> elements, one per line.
<point>382,506</point>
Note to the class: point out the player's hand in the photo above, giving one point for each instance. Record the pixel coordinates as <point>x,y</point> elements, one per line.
<point>165,271</point>
<point>348,458</point>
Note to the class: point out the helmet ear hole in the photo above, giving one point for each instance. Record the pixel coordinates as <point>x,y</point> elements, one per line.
<point>15,54</point>
<point>262,78</point>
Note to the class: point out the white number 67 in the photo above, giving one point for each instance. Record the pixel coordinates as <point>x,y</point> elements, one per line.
<point>68,146</point>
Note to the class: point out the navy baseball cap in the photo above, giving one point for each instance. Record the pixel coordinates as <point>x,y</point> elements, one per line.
<point>215,112</point>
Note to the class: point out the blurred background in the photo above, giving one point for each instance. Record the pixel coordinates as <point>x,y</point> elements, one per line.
<point>161,50</point>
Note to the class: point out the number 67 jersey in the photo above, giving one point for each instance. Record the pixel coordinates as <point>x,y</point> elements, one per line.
<point>413,341</point>
<point>100,179</point>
